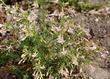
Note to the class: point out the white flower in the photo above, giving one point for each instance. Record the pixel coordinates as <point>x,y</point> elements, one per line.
<point>23,55</point>
<point>93,47</point>
<point>57,13</point>
<point>92,68</point>
<point>96,19</point>
<point>64,52</point>
<point>13,11</point>
<point>64,72</point>
<point>55,1</point>
<point>75,61</point>
<point>34,55</point>
<point>2,31</point>
<point>61,14</point>
<point>42,67</point>
<point>36,75</point>
<point>56,29</point>
<point>1,25</point>
<point>104,54</point>
<point>70,30</point>
<point>51,77</point>
<point>50,18</point>
<point>9,17</point>
<point>87,32</point>
<point>60,39</point>
<point>32,17</point>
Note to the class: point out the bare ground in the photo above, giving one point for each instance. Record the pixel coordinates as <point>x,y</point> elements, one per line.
<point>99,29</point>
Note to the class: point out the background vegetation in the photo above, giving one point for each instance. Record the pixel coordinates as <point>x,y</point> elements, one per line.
<point>40,40</point>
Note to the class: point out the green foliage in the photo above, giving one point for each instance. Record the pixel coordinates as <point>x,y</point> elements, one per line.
<point>53,47</point>
<point>8,57</point>
<point>48,55</point>
<point>71,2</point>
<point>21,73</point>
<point>88,6</point>
<point>81,5</point>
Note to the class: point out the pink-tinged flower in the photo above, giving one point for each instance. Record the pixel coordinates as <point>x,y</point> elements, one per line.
<point>70,30</point>
<point>32,17</point>
<point>64,73</point>
<point>57,13</point>
<point>51,77</point>
<point>60,39</point>
<point>71,11</point>
<point>56,29</point>
<point>2,31</point>
<point>50,18</point>
<point>92,68</point>
<point>61,14</point>
<point>75,61</point>
<point>104,54</point>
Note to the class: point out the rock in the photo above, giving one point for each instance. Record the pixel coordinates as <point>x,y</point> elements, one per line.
<point>96,72</point>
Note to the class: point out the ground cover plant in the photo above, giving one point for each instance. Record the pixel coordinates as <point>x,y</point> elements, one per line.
<point>41,42</point>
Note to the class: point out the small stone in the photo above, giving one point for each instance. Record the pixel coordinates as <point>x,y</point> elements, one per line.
<point>96,20</point>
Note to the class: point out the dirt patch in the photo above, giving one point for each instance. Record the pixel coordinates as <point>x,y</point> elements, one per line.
<point>98,27</point>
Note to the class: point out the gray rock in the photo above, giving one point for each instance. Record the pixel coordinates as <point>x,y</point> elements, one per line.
<point>96,72</point>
